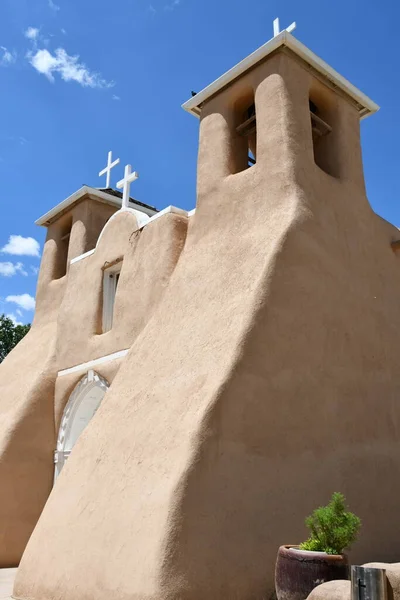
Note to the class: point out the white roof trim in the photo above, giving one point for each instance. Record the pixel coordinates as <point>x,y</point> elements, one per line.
<point>141,218</point>
<point>94,363</point>
<point>369,107</point>
<point>143,221</point>
<point>82,256</point>
<point>165,211</point>
<point>92,193</point>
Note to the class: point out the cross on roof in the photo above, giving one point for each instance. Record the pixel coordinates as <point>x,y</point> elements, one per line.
<point>110,165</point>
<point>277,30</point>
<point>125,183</point>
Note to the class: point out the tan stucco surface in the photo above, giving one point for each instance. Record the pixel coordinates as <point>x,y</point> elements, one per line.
<point>27,383</point>
<point>148,258</point>
<point>67,332</point>
<point>263,379</point>
<point>27,435</point>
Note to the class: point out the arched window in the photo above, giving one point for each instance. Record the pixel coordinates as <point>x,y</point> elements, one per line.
<point>80,409</point>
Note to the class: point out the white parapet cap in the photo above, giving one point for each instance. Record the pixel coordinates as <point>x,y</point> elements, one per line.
<point>93,194</point>
<point>366,106</point>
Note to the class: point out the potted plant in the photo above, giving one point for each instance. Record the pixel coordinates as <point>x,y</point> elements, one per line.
<point>299,569</point>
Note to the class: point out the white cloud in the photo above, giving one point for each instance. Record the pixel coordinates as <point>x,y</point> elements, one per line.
<point>14,318</point>
<point>32,33</point>
<point>19,139</point>
<point>35,36</point>
<point>68,67</point>
<point>53,6</point>
<point>115,97</point>
<point>19,312</point>
<point>44,63</point>
<point>21,269</point>
<point>63,31</point>
<point>25,301</point>
<point>8,269</point>
<point>21,246</point>
<point>8,58</point>
<point>172,5</point>
<point>35,270</point>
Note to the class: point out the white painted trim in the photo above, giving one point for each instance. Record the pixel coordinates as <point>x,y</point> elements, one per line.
<point>94,193</point>
<point>165,211</point>
<point>283,39</point>
<point>84,190</point>
<point>82,389</point>
<point>142,219</point>
<point>93,363</point>
<point>82,256</point>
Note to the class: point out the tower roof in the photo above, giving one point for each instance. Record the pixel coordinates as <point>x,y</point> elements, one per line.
<point>106,196</point>
<point>365,105</point>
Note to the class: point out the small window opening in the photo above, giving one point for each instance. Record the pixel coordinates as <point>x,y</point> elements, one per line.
<point>319,126</point>
<point>62,251</point>
<point>323,143</point>
<point>247,130</point>
<point>110,284</point>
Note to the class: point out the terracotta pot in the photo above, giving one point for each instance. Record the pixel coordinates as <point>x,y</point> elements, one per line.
<point>298,572</point>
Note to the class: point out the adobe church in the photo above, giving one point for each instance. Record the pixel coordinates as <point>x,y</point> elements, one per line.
<point>195,384</point>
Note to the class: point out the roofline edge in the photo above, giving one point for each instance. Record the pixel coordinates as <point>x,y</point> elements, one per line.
<point>283,39</point>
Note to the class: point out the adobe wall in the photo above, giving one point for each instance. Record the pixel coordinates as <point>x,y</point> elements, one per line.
<point>27,381</point>
<point>88,220</point>
<point>148,255</point>
<point>265,380</point>
<point>65,332</point>
<point>27,435</point>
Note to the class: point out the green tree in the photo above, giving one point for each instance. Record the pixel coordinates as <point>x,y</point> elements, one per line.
<point>333,528</point>
<point>10,335</point>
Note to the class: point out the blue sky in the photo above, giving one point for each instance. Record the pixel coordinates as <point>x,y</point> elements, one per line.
<point>138,62</point>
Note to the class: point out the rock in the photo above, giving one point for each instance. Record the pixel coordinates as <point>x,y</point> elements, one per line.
<point>341,590</point>
<point>332,590</point>
<point>393,575</point>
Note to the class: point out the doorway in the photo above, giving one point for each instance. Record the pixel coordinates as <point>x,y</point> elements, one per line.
<point>79,410</point>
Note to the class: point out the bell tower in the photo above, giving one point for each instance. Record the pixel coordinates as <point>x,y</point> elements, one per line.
<point>280,118</point>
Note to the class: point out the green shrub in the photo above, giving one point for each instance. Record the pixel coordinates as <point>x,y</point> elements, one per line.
<point>333,528</point>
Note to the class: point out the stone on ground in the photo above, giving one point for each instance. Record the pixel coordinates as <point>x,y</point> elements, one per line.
<point>341,590</point>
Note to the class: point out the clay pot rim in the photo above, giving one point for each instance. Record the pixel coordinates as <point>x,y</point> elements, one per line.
<point>293,551</point>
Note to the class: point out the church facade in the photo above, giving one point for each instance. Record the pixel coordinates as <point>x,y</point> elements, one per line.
<point>195,383</point>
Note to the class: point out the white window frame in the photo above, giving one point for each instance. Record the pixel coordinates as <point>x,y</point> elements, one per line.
<point>78,396</point>
<point>110,282</point>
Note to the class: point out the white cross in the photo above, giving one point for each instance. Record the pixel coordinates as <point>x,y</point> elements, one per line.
<point>125,183</point>
<point>289,29</point>
<point>110,165</point>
